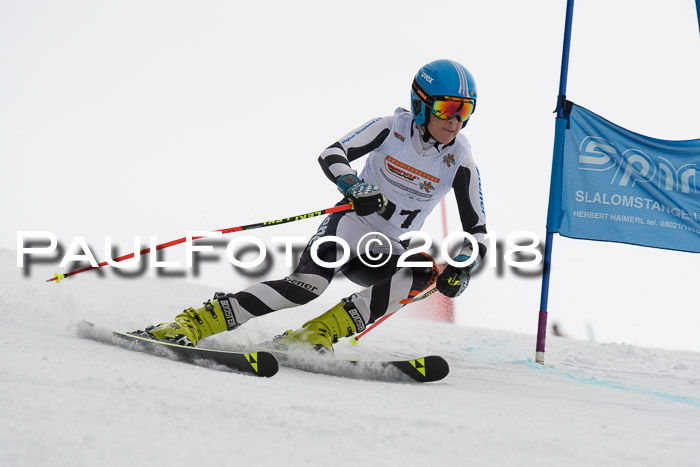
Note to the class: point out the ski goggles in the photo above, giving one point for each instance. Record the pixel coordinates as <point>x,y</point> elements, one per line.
<point>446,107</point>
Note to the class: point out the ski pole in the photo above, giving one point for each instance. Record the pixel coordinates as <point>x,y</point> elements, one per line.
<point>354,340</point>
<point>343,207</point>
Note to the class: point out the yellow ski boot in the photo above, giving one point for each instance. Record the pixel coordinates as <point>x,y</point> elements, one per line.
<point>343,320</point>
<point>191,326</point>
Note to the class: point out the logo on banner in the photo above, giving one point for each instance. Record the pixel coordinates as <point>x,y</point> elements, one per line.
<point>634,165</point>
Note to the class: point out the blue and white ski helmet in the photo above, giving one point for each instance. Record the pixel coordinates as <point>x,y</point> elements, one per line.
<point>440,78</point>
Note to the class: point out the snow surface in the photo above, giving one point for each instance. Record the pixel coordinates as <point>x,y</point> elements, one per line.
<point>72,401</point>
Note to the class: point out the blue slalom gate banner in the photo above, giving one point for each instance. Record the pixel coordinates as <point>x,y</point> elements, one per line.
<point>621,186</point>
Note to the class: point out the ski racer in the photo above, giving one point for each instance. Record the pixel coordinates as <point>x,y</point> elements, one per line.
<point>414,158</point>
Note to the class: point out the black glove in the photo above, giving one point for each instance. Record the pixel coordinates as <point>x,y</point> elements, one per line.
<point>453,280</point>
<point>365,198</point>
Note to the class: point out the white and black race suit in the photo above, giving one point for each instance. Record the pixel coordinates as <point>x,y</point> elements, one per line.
<point>414,172</point>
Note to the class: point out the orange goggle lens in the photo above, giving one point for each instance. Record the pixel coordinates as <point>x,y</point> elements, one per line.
<point>447,107</point>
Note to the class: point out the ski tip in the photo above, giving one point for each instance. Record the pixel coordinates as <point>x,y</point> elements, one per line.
<point>438,369</point>
<point>267,365</point>
<point>426,369</point>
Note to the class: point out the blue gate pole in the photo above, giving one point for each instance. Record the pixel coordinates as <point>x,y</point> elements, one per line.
<point>555,184</point>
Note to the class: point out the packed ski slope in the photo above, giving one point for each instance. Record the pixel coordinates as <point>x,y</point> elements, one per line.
<point>68,401</point>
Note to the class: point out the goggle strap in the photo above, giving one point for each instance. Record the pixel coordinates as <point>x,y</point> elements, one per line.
<point>422,95</point>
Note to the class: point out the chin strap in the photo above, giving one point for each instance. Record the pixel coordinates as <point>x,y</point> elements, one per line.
<point>426,134</point>
<point>426,138</point>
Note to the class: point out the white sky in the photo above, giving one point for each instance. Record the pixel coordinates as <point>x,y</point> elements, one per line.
<point>151,118</point>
